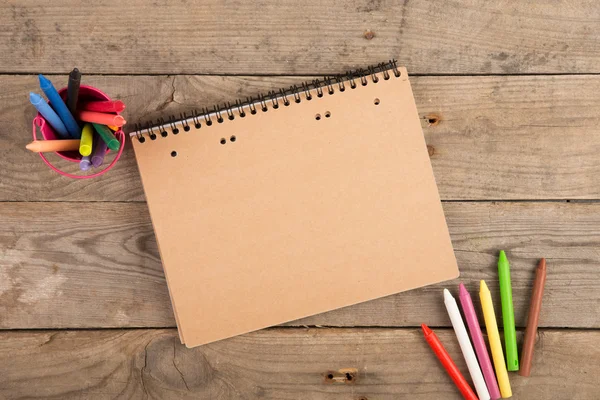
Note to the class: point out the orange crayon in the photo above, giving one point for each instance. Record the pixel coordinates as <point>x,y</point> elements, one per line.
<point>46,146</point>
<point>101,118</point>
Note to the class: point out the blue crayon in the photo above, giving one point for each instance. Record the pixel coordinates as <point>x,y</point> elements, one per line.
<point>60,107</point>
<point>49,115</point>
<point>99,151</point>
<point>85,163</point>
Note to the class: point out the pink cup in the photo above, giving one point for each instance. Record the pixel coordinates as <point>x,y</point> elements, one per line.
<point>86,93</point>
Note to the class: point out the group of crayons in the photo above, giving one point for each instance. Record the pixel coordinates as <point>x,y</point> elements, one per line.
<point>482,373</point>
<point>75,122</point>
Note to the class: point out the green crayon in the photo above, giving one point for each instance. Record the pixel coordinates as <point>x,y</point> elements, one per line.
<point>108,137</point>
<point>508,313</point>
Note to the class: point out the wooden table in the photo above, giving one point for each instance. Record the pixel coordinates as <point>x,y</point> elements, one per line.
<point>509,94</point>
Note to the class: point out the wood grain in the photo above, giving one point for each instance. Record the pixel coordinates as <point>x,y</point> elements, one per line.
<point>59,270</point>
<point>530,137</point>
<point>237,37</point>
<point>319,364</point>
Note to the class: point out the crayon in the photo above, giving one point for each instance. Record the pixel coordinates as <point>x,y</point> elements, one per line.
<point>107,136</point>
<point>60,107</point>
<point>85,163</point>
<point>533,318</point>
<point>73,90</point>
<point>482,354</point>
<point>87,137</point>
<point>465,346</point>
<point>46,146</point>
<point>108,106</point>
<point>49,115</point>
<point>508,313</point>
<point>113,128</point>
<point>451,368</point>
<point>99,151</point>
<point>494,337</point>
<point>101,118</point>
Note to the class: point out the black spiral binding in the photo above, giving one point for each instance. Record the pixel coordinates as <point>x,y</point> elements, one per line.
<point>261,103</point>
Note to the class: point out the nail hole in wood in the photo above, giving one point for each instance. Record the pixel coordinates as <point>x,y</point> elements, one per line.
<point>430,150</point>
<point>432,119</point>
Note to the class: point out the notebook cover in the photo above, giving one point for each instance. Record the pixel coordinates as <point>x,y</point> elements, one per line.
<point>298,215</point>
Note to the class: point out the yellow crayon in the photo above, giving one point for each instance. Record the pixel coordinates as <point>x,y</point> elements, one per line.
<point>113,128</point>
<point>494,337</point>
<point>87,136</point>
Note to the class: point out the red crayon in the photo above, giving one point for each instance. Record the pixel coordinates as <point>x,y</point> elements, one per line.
<point>448,364</point>
<point>103,106</point>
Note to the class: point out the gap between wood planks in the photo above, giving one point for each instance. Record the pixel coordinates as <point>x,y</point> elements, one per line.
<point>585,201</point>
<point>285,327</point>
<point>266,75</point>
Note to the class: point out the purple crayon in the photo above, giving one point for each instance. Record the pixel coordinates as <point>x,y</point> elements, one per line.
<point>478,342</point>
<point>99,151</point>
<point>85,163</point>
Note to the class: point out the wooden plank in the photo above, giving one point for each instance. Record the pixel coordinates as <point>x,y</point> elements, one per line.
<point>60,270</point>
<point>223,37</point>
<point>319,364</point>
<point>530,137</point>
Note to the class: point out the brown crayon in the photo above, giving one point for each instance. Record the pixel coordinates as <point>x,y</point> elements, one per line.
<point>532,320</point>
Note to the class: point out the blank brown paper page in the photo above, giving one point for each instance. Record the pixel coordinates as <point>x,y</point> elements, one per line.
<point>297,216</point>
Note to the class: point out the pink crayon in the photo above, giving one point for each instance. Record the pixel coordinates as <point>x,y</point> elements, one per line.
<point>479,343</point>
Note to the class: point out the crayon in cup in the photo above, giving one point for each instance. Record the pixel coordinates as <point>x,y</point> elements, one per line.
<point>47,146</point>
<point>107,136</point>
<point>49,115</point>
<point>87,136</point>
<point>99,151</point>
<point>101,118</point>
<point>60,107</point>
<point>107,106</point>
<point>73,90</point>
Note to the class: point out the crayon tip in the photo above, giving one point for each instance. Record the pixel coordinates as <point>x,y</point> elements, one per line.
<point>502,258</point>
<point>447,295</point>
<point>34,98</point>
<point>426,330</point>
<point>30,146</point>
<point>75,73</point>
<point>483,286</point>
<point>542,264</point>
<point>462,291</point>
<point>85,164</point>
<point>43,80</point>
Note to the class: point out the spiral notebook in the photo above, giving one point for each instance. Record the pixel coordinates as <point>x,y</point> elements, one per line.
<point>294,203</point>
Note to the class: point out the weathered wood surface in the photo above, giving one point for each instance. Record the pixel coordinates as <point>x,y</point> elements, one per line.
<point>285,37</point>
<point>273,364</point>
<point>496,137</point>
<point>57,270</point>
